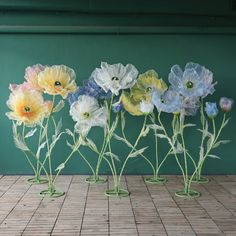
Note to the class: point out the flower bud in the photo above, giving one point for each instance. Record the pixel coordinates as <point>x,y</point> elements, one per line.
<point>226,104</point>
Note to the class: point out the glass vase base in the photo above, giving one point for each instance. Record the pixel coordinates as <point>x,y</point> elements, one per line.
<point>191,194</point>
<point>155,180</point>
<point>94,180</point>
<point>36,181</point>
<point>50,193</point>
<point>114,193</point>
<point>201,180</point>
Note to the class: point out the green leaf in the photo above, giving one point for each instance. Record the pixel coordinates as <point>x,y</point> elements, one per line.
<point>155,127</point>
<point>69,145</point>
<point>123,120</point>
<point>20,144</point>
<point>221,142</point>
<point>189,125</point>
<point>114,124</point>
<point>58,127</point>
<point>31,133</point>
<point>138,152</point>
<point>162,136</point>
<point>117,137</point>
<point>60,167</point>
<point>112,155</point>
<point>59,106</point>
<point>69,132</point>
<point>145,131</point>
<point>91,144</point>
<point>201,154</point>
<point>42,145</point>
<point>210,141</point>
<point>214,156</point>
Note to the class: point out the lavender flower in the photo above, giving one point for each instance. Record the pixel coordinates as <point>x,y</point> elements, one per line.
<point>226,104</point>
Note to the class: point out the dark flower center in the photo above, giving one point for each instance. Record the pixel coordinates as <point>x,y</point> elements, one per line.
<point>86,115</point>
<point>148,89</point>
<point>114,78</point>
<point>27,109</point>
<point>57,83</point>
<point>189,84</point>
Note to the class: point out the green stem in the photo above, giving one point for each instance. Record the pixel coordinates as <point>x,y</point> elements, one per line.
<point>172,145</point>
<point>87,162</point>
<point>127,158</point>
<point>48,146</point>
<point>76,147</point>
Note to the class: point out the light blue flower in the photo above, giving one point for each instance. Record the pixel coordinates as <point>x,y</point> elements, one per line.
<point>117,106</point>
<point>211,109</point>
<point>190,106</point>
<point>194,81</point>
<point>170,101</point>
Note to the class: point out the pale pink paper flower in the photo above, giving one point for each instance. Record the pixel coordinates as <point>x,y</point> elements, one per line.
<point>31,76</point>
<point>23,87</point>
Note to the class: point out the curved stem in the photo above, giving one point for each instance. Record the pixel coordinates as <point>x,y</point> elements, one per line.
<point>162,162</point>
<point>76,147</point>
<point>134,146</point>
<point>87,162</point>
<point>172,145</point>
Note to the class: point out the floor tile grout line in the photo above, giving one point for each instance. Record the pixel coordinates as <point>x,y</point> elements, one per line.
<point>16,202</point>
<point>131,206</point>
<point>62,203</point>
<point>32,216</point>
<point>10,186</point>
<point>85,204</point>
<point>218,200</point>
<point>149,193</point>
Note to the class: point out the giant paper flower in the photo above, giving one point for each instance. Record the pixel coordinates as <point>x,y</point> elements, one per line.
<point>57,80</point>
<point>194,81</point>
<point>87,113</point>
<point>115,77</point>
<point>31,76</point>
<point>170,101</point>
<point>135,107</point>
<point>89,88</point>
<point>146,84</point>
<point>27,107</point>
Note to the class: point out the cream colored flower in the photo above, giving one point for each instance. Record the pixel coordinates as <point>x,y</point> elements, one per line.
<point>26,107</point>
<point>57,80</point>
<point>87,113</point>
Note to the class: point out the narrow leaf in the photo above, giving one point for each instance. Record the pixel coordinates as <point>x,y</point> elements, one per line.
<point>112,155</point>
<point>60,167</point>
<point>214,156</point>
<point>221,142</point>
<point>138,152</point>
<point>42,145</point>
<point>31,133</point>
<point>59,106</point>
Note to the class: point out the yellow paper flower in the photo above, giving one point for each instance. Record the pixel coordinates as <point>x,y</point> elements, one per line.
<point>57,80</point>
<point>131,105</point>
<point>146,84</point>
<point>27,107</point>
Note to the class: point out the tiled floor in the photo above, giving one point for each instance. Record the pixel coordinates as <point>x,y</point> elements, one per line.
<point>149,210</point>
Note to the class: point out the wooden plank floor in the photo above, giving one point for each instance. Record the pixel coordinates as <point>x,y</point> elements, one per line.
<point>149,210</point>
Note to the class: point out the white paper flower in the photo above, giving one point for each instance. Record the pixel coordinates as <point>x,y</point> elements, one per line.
<point>115,77</point>
<point>87,113</point>
<point>146,107</point>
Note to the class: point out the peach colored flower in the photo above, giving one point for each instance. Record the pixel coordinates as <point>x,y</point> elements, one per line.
<point>26,107</point>
<point>57,80</point>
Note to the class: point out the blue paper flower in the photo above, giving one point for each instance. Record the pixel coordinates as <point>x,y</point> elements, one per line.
<point>211,109</point>
<point>169,101</point>
<point>194,81</point>
<point>118,106</point>
<point>90,88</point>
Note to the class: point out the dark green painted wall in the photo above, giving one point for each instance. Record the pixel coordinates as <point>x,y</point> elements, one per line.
<point>83,48</point>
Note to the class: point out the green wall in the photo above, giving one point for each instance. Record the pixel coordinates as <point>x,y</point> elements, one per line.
<point>83,48</point>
